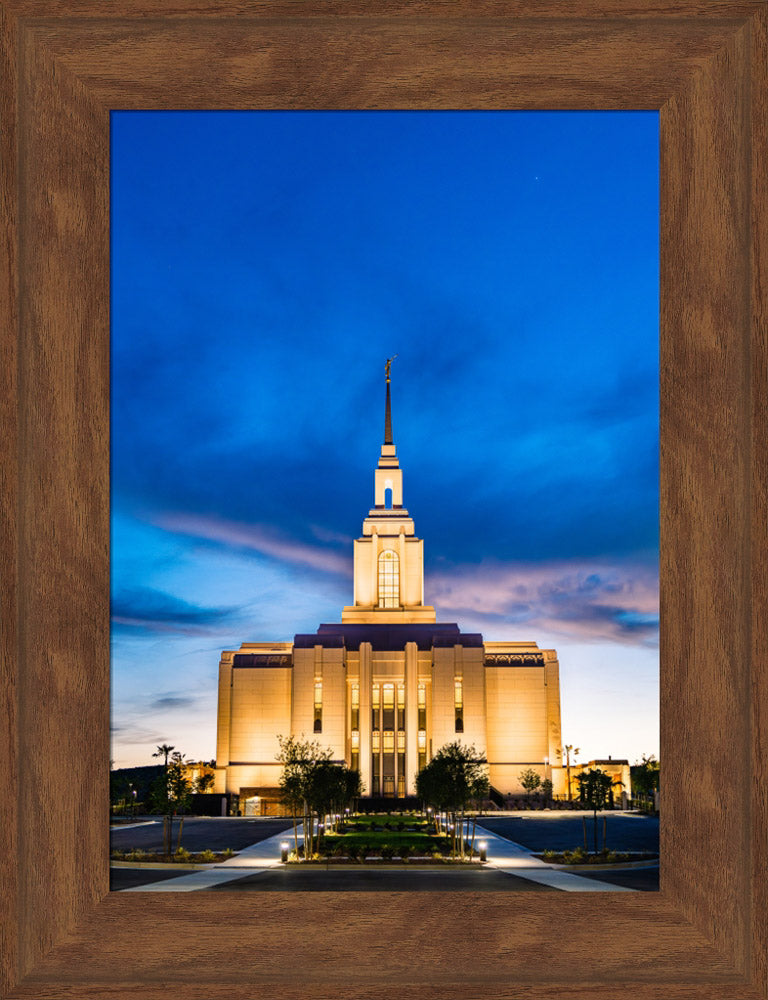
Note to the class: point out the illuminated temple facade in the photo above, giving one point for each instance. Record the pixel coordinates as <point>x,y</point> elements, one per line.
<point>389,685</point>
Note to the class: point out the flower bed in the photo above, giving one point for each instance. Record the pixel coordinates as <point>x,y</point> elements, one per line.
<point>182,856</point>
<point>581,857</point>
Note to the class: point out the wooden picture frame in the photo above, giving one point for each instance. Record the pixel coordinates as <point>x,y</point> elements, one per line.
<point>65,65</point>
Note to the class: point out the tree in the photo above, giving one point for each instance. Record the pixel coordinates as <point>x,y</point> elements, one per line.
<point>119,789</point>
<point>203,782</point>
<point>569,749</point>
<point>164,751</point>
<point>179,795</point>
<point>546,789</point>
<point>171,791</point>
<point>645,777</point>
<point>313,787</point>
<point>594,792</point>
<point>455,778</point>
<point>530,780</point>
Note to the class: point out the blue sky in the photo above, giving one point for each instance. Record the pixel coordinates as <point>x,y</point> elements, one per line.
<point>264,265</point>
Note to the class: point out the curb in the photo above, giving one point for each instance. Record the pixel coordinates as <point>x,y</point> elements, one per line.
<point>162,865</point>
<point>617,866</point>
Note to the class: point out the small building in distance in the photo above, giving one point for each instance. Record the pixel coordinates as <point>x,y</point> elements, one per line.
<point>389,684</point>
<point>618,770</point>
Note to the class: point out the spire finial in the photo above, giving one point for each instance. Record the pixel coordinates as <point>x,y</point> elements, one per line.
<point>388,410</point>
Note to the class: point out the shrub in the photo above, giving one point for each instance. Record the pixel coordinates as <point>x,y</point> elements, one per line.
<point>576,857</point>
<point>401,826</point>
<point>548,855</point>
<point>206,856</point>
<point>387,852</point>
<point>353,852</point>
<point>228,852</point>
<point>405,852</point>
<point>182,854</point>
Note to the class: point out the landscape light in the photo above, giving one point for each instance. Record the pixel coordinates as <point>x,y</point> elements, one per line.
<point>284,851</point>
<point>483,846</point>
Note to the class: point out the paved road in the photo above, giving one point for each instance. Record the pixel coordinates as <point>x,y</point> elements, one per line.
<point>391,880</point>
<point>487,880</point>
<point>641,879</point>
<point>214,833</point>
<point>559,831</point>
<point>127,878</point>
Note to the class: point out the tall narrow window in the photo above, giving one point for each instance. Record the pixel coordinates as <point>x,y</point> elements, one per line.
<point>422,706</point>
<point>401,706</point>
<point>388,763</point>
<point>354,725</point>
<point>388,706</point>
<point>376,763</point>
<point>389,579</point>
<point>401,764</point>
<point>354,702</point>
<point>375,695</point>
<point>318,706</point>
<point>422,750</point>
<point>458,701</point>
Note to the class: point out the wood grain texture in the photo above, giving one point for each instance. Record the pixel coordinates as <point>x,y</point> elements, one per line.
<point>704,67</point>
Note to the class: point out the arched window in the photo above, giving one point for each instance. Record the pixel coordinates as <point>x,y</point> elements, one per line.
<point>389,579</point>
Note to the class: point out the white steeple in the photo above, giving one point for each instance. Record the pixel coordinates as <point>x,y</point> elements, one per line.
<point>389,558</point>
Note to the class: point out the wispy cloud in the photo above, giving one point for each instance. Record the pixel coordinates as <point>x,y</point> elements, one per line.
<point>256,538</point>
<point>171,702</point>
<point>150,610</point>
<point>617,602</point>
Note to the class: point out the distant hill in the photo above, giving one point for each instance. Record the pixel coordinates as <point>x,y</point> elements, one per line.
<point>121,778</point>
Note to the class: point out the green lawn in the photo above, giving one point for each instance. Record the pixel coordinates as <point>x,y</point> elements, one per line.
<point>418,841</point>
<point>358,833</point>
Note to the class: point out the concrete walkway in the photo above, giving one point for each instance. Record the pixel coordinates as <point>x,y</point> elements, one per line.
<point>518,860</point>
<point>250,861</point>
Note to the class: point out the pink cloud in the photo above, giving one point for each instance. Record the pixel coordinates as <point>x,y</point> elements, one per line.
<point>587,601</point>
<point>256,538</point>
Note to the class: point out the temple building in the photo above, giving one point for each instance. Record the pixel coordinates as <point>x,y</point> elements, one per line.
<point>389,685</point>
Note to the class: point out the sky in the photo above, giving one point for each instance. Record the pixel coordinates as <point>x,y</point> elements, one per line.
<point>264,266</point>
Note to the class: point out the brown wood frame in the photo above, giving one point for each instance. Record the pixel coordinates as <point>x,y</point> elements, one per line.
<point>64,65</point>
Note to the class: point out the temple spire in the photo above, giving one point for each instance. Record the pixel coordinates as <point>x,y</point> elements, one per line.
<point>388,406</point>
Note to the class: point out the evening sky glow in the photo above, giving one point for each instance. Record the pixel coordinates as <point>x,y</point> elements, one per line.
<point>264,266</point>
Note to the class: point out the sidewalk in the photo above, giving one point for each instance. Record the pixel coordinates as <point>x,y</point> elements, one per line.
<point>251,860</point>
<point>518,860</point>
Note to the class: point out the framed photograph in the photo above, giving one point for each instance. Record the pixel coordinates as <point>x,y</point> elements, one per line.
<point>66,69</point>
<point>382,378</point>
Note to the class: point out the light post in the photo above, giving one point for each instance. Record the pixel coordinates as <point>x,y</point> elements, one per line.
<point>133,805</point>
<point>284,851</point>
